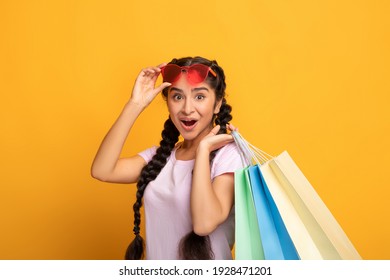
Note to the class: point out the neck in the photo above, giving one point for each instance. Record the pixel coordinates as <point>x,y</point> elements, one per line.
<point>192,145</point>
<point>187,149</point>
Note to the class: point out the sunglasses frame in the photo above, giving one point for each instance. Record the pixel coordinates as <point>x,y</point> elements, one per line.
<point>187,69</point>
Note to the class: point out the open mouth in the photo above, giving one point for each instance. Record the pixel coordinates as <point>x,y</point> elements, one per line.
<point>188,124</point>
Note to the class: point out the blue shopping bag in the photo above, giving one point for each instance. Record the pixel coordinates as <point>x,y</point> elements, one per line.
<point>276,242</point>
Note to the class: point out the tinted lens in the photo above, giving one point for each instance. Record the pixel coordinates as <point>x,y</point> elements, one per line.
<point>197,73</point>
<point>171,73</point>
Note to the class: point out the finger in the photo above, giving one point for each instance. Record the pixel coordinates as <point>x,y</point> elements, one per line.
<point>150,71</point>
<point>215,130</point>
<point>145,72</point>
<point>162,65</point>
<point>162,86</point>
<point>220,140</point>
<point>232,127</point>
<point>223,138</point>
<point>156,74</point>
<point>156,69</point>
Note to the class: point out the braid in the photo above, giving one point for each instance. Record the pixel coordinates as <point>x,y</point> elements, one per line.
<point>223,118</point>
<point>170,135</point>
<point>193,246</point>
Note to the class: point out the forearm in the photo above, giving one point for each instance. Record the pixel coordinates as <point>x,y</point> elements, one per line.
<point>111,147</point>
<point>206,209</point>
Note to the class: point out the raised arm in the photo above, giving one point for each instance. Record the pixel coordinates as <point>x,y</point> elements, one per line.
<point>211,202</point>
<point>107,165</point>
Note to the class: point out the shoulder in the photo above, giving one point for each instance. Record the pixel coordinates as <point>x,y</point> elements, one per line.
<point>229,150</point>
<point>227,160</point>
<point>148,153</point>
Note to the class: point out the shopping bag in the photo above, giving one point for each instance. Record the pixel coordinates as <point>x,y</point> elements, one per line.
<point>312,228</point>
<point>322,226</point>
<point>247,235</point>
<point>276,242</point>
<point>296,226</point>
<point>260,232</point>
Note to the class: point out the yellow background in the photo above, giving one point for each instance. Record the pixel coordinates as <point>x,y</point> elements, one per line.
<point>309,77</point>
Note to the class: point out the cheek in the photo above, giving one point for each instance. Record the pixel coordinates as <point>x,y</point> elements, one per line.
<point>208,109</point>
<point>174,111</point>
<point>171,107</point>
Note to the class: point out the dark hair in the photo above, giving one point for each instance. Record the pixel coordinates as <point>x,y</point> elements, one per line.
<point>192,246</point>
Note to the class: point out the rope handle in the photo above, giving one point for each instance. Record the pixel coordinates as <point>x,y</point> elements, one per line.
<point>250,155</point>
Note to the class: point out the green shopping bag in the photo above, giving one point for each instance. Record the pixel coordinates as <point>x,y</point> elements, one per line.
<point>248,241</point>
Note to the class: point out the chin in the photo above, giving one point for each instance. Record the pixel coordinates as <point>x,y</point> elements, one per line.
<point>188,136</point>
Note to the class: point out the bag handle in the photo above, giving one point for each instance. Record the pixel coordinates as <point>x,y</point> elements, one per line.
<point>250,155</point>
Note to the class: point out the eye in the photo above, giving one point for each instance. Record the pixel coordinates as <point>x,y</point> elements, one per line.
<point>200,97</point>
<point>177,97</point>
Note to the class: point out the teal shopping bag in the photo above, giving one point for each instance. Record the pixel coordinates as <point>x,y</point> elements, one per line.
<point>247,235</point>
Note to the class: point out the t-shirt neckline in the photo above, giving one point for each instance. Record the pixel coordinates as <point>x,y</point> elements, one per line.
<point>187,162</point>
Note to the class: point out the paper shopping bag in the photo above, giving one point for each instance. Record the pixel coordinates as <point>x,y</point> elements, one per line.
<point>321,225</point>
<point>296,227</point>
<point>312,228</point>
<point>276,242</point>
<point>247,235</point>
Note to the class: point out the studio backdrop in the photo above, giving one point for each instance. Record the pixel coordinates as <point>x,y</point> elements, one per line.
<point>309,77</point>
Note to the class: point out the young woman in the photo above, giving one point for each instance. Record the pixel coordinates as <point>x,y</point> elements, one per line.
<point>187,187</point>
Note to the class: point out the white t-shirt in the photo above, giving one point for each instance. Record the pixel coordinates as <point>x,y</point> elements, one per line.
<point>167,205</point>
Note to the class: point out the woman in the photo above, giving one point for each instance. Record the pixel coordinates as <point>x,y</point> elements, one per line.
<point>187,187</point>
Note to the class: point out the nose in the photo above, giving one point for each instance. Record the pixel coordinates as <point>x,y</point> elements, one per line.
<point>188,107</point>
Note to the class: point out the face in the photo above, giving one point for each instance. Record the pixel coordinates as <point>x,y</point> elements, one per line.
<point>191,108</point>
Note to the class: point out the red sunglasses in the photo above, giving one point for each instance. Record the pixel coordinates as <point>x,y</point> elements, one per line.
<point>196,73</point>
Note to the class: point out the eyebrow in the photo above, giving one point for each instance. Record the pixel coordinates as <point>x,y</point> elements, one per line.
<point>194,89</point>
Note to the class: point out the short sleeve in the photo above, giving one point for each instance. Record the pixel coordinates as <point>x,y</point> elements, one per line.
<point>148,153</point>
<point>227,160</point>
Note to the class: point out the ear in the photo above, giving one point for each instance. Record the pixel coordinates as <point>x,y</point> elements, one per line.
<point>217,106</point>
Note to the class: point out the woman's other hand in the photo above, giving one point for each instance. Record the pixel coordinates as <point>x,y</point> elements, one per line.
<point>145,90</point>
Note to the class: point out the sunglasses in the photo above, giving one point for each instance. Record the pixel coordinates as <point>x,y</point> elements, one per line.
<point>196,73</point>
